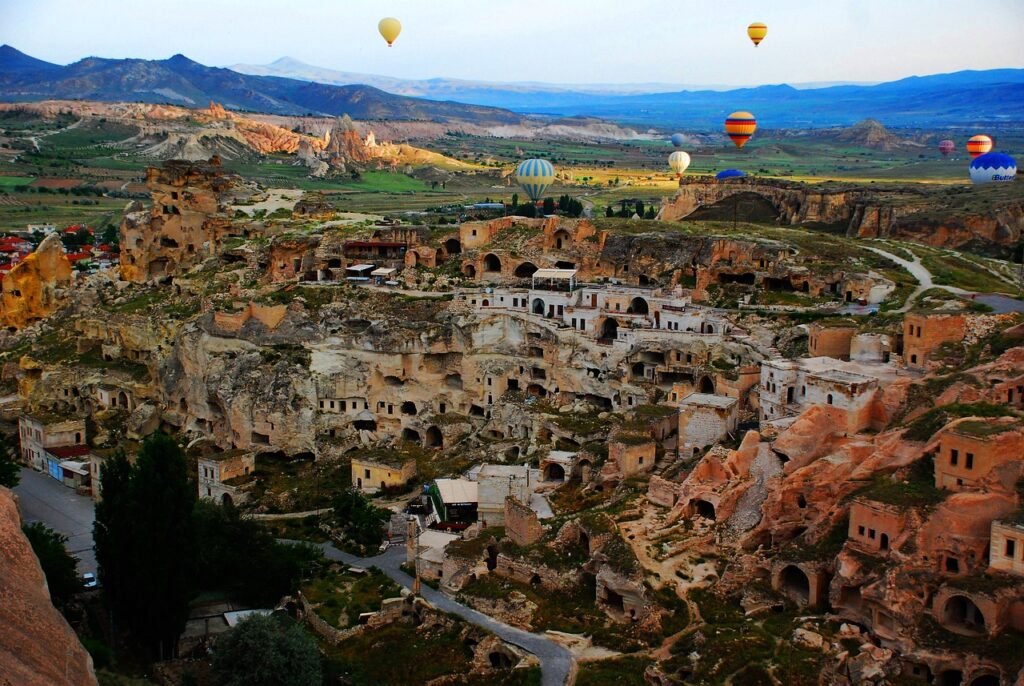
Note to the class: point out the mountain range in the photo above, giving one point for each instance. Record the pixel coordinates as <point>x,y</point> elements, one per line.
<point>181,81</point>
<point>960,99</point>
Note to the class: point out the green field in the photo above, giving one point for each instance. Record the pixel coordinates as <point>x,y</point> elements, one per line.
<point>9,182</point>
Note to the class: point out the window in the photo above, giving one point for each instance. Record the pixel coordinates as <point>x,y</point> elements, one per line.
<point>954,457</point>
<point>871,534</point>
<point>321,404</point>
<point>1011,547</point>
<point>641,459</point>
<point>829,399</point>
<point>474,232</point>
<point>860,531</point>
<point>441,408</point>
<point>583,325</point>
<point>969,462</point>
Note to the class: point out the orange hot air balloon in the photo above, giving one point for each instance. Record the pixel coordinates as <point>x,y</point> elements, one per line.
<point>740,126</point>
<point>757,31</point>
<point>979,145</point>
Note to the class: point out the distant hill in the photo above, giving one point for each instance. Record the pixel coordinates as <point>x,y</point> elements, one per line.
<point>958,99</point>
<point>181,81</point>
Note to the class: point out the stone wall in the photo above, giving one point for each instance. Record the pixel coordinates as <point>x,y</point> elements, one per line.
<point>663,492</point>
<point>521,523</point>
<point>924,333</point>
<point>830,341</point>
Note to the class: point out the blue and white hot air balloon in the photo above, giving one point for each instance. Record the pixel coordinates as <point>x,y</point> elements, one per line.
<point>678,139</point>
<point>993,167</point>
<point>730,174</point>
<point>535,176</point>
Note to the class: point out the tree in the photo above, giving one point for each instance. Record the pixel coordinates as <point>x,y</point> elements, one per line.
<point>110,235</point>
<point>549,206</point>
<point>144,543</point>
<point>640,208</point>
<point>609,212</point>
<point>262,651</point>
<point>10,470</point>
<point>58,565</point>
<point>515,200</point>
<point>362,521</point>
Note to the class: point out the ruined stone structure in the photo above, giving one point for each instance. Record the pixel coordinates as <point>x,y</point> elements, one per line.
<point>371,475</point>
<point>185,225</point>
<point>1007,550</point>
<point>219,475</point>
<point>830,341</point>
<point>521,523</point>
<point>971,449</point>
<point>704,420</point>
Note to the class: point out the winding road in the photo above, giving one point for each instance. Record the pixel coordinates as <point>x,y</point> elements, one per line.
<point>556,662</point>
<point>919,272</point>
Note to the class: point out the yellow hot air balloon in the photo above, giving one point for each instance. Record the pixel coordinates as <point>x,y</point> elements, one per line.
<point>679,161</point>
<point>979,145</point>
<point>757,31</point>
<point>740,126</point>
<point>389,27</point>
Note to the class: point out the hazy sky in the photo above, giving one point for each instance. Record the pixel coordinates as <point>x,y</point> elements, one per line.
<point>567,41</point>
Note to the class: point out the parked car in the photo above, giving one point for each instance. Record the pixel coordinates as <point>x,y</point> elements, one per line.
<point>89,580</point>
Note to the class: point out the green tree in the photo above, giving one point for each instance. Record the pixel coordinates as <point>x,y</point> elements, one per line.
<point>640,208</point>
<point>515,200</point>
<point>110,235</point>
<point>144,544</point>
<point>10,470</point>
<point>57,564</point>
<point>262,651</point>
<point>549,206</point>
<point>609,212</point>
<point>361,520</point>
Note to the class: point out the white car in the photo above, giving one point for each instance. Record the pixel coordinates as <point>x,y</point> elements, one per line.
<point>89,580</point>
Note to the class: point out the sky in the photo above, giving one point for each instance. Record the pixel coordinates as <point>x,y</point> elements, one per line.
<point>694,42</point>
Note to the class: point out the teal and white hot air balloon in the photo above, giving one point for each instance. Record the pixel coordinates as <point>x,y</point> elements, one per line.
<point>535,176</point>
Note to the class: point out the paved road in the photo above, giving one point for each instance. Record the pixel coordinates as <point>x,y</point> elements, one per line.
<point>44,500</point>
<point>555,661</point>
<point>919,272</point>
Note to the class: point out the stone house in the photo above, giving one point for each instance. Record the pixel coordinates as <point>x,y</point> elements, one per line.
<point>631,453</point>
<point>42,433</point>
<point>219,474</point>
<point>370,475</point>
<point>111,397</point>
<point>923,333</point>
<point>830,341</point>
<point>496,483</point>
<point>788,387</point>
<point>971,448</point>
<point>704,420</point>
<point>874,526</point>
<point>1006,553</point>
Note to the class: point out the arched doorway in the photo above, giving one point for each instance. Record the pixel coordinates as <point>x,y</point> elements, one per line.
<point>951,677</point>
<point>638,306</point>
<point>492,558</point>
<point>704,509</point>
<point>452,246</point>
<point>469,271</point>
<point>492,263</point>
<point>795,584</point>
<point>525,270</point>
<point>122,399</point>
<point>409,408</point>
<point>962,615</point>
<point>585,467</point>
<point>562,239</point>
<point>554,472</point>
<point>609,329</point>
<point>986,680</point>
<point>411,435</point>
<point>226,500</point>
<point>538,306</point>
<point>434,438</point>
<point>707,385</point>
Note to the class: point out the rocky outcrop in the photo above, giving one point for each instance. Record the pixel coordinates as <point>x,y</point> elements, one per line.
<point>903,212</point>
<point>185,224</point>
<point>36,287</point>
<point>37,647</point>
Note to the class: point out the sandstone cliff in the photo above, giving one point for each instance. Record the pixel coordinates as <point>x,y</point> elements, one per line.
<point>987,220</point>
<point>37,647</point>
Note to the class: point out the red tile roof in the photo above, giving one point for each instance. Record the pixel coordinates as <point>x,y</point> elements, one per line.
<point>67,451</point>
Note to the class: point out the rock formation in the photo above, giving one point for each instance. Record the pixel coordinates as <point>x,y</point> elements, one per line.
<point>37,647</point>
<point>36,287</point>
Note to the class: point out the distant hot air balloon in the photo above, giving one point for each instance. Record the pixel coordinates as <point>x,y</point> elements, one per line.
<point>740,126</point>
<point>679,161</point>
<point>757,31</point>
<point>730,174</point>
<point>535,176</point>
<point>979,145</point>
<point>993,167</point>
<point>946,147</point>
<point>389,28</point>
<point>678,139</point>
